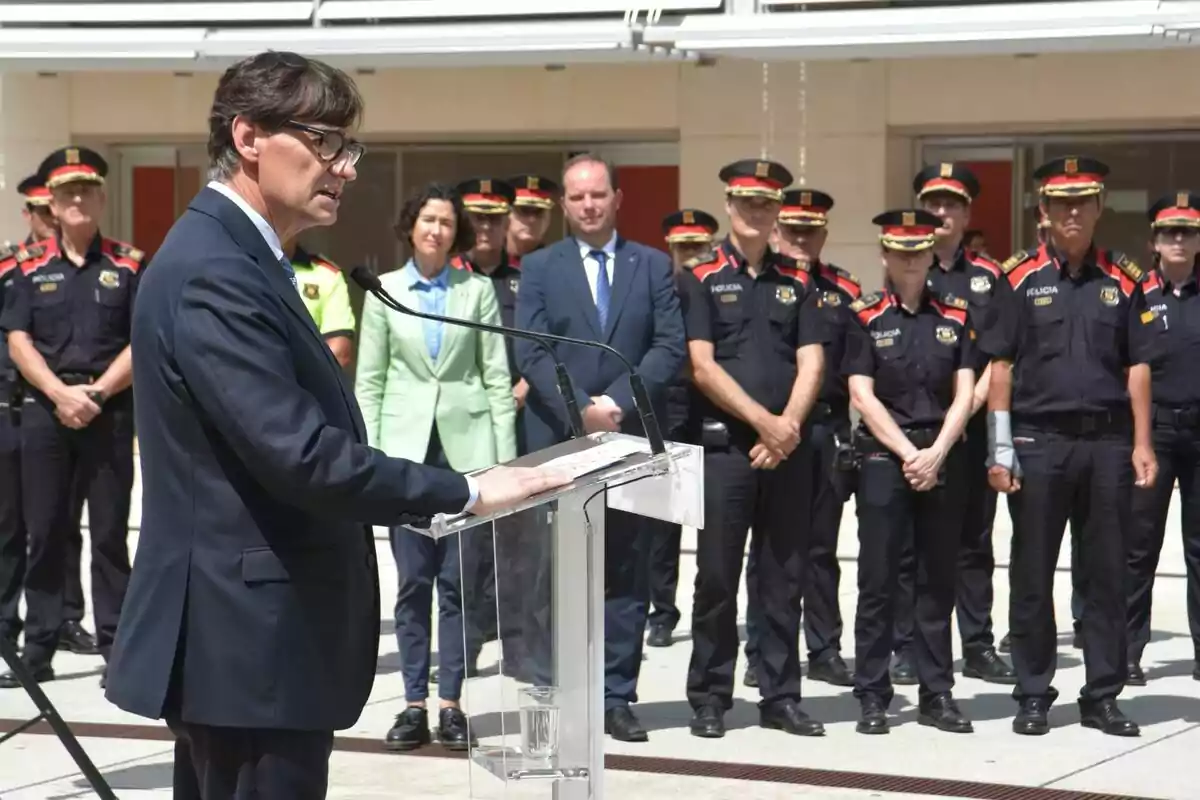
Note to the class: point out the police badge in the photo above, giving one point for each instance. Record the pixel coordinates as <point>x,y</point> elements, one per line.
<point>312,291</point>
<point>1109,296</point>
<point>514,284</point>
<point>833,298</point>
<point>109,279</point>
<point>946,335</point>
<point>785,295</point>
<point>981,284</point>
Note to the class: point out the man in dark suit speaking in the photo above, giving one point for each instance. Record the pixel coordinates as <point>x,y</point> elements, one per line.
<point>251,623</point>
<point>597,285</point>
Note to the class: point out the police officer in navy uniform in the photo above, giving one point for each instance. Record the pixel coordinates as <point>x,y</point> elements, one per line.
<point>688,234</point>
<point>67,320</point>
<point>488,202</point>
<point>948,190</point>
<point>910,363</point>
<point>13,543</point>
<point>1175,389</point>
<point>754,339</point>
<point>800,233</point>
<point>1069,430</point>
<point>524,574</point>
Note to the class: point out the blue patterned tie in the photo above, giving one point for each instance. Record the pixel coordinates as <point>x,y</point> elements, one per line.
<point>291,273</point>
<point>602,287</point>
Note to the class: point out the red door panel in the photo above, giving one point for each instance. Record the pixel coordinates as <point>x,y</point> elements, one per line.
<point>650,193</point>
<point>992,210</point>
<point>153,206</point>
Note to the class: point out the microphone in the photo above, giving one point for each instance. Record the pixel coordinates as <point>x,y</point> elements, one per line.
<point>370,282</point>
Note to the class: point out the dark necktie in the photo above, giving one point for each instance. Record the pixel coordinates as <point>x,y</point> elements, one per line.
<point>602,287</point>
<point>291,273</point>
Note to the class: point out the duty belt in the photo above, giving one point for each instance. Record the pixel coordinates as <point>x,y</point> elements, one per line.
<point>1177,417</point>
<point>1078,423</point>
<point>77,378</point>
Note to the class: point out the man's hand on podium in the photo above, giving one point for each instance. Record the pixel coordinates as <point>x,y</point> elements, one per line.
<point>500,487</point>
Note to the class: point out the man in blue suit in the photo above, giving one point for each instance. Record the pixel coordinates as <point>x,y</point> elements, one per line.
<point>595,285</point>
<point>251,622</point>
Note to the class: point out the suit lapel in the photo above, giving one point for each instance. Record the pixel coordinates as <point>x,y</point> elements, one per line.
<point>247,236</point>
<point>412,329</point>
<point>458,299</point>
<point>625,266</point>
<point>576,279</point>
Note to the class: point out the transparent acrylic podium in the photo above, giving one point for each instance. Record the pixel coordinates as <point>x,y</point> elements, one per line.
<point>536,704</point>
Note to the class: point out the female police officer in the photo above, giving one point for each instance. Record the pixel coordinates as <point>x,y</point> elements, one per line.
<point>909,363</point>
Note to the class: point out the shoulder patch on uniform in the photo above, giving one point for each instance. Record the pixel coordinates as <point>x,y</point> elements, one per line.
<point>1129,267</point>
<point>8,250</point>
<point>1016,260</point>
<point>714,264</point>
<point>846,274</point>
<point>30,251</point>
<point>322,261</point>
<point>123,250</point>
<point>866,301</point>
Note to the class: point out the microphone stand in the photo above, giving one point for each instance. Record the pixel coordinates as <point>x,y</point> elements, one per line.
<point>370,282</point>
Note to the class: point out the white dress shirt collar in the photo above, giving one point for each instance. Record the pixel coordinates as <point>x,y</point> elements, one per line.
<point>264,227</point>
<point>610,249</point>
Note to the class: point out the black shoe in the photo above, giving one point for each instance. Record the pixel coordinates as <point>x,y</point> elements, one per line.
<point>988,667</point>
<point>941,712</point>
<point>750,677</point>
<point>1033,717</point>
<point>874,716</point>
<point>42,673</point>
<point>659,636</point>
<point>708,723</point>
<point>1077,638</point>
<point>74,638</point>
<point>786,716</point>
<point>453,731</point>
<point>904,673</point>
<point>622,725</point>
<point>410,731</point>
<point>1005,645</point>
<point>1104,715</point>
<point>832,670</point>
<point>1136,676</point>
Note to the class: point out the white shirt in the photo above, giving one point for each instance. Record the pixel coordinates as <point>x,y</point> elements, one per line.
<point>592,267</point>
<point>272,239</point>
<point>264,227</point>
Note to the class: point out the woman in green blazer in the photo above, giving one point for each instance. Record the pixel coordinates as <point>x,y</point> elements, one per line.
<point>441,394</point>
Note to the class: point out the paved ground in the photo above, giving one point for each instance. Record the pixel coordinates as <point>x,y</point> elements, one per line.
<point>1070,758</point>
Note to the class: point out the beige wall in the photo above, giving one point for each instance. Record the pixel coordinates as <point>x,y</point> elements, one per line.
<point>862,117</point>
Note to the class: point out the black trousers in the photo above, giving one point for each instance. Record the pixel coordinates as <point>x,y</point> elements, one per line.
<point>524,569</point>
<point>664,543</point>
<point>821,615</point>
<point>479,591</point>
<point>13,543</point>
<point>249,763</point>
<point>73,602</point>
<point>1178,451</point>
<point>889,513</point>
<point>776,505</point>
<point>976,559</point>
<point>1090,476</point>
<point>98,461</point>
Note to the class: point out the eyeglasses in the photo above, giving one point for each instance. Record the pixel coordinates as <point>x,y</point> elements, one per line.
<point>331,145</point>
